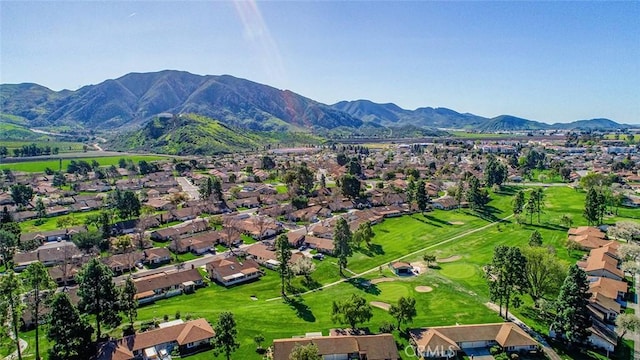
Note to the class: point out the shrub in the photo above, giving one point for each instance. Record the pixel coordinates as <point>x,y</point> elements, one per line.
<point>386,327</point>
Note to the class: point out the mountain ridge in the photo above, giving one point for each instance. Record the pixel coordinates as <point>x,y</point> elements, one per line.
<point>132,100</point>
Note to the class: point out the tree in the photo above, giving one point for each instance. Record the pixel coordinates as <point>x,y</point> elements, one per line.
<point>544,273</point>
<point>506,275</point>
<point>21,194</point>
<point>268,163</point>
<point>628,322</point>
<point>41,210</point>
<point>477,197</point>
<point>128,205</point>
<point>591,207</point>
<point>350,186</point>
<point>258,339</point>
<point>518,202</point>
<point>87,241</point>
<point>98,294</point>
<point>411,191</point>
<point>429,258</point>
<point>342,159</point>
<point>305,267</point>
<point>38,280</point>
<point>495,172</point>
<point>352,310</point>
<point>625,230</point>
<point>573,319</point>
<point>538,195</point>
<point>535,239</point>
<point>531,207</point>
<point>422,199</point>
<point>70,333</point>
<point>128,302</point>
<point>10,303</point>
<point>404,311</point>
<point>8,243</point>
<point>224,340</point>
<point>206,188</point>
<point>305,352</point>
<point>342,243</point>
<point>283,254</point>
<point>566,220</point>
<point>363,233</point>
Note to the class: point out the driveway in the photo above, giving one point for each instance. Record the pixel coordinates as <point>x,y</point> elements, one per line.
<point>479,354</point>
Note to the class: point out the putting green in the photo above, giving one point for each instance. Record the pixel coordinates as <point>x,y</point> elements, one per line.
<point>393,290</point>
<point>458,270</point>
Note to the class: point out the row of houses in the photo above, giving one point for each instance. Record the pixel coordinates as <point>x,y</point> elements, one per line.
<point>607,285</point>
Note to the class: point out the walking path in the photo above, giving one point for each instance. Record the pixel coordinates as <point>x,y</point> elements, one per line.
<point>23,346</point>
<point>398,259</point>
<point>545,345</point>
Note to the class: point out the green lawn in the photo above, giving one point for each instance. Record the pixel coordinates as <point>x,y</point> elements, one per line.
<point>64,146</point>
<point>39,166</point>
<point>459,287</point>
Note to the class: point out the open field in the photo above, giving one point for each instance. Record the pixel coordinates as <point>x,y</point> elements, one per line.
<point>64,146</point>
<point>459,289</point>
<point>469,135</point>
<point>39,166</point>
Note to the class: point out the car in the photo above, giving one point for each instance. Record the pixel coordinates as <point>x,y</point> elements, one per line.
<point>302,248</point>
<point>318,257</point>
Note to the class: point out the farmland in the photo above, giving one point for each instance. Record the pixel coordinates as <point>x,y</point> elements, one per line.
<point>61,164</point>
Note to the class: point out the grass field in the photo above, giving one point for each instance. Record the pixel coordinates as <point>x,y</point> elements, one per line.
<point>64,146</point>
<point>39,166</point>
<point>459,287</point>
<point>467,135</point>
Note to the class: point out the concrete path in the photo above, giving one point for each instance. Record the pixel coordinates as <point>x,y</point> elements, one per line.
<point>548,350</point>
<point>23,346</point>
<point>374,269</point>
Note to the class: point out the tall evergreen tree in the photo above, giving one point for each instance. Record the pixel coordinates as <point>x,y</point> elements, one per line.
<point>70,333</point>
<point>531,207</point>
<point>283,253</point>
<point>495,172</point>
<point>538,195</point>
<point>518,202</point>
<point>42,286</point>
<point>404,311</point>
<point>98,294</point>
<point>224,340</point>
<point>422,199</point>
<point>128,302</point>
<point>342,243</point>
<point>591,207</point>
<point>476,196</point>
<point>573,320</point>
<point>506,275</point>
<point>10,303</point>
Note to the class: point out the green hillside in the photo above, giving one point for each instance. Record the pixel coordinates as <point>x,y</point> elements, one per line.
<point>198,135</point>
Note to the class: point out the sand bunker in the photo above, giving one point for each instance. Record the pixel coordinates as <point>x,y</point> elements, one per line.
<point>381,280</point>
<point>456,223</point>
<point>450,259</point>
<point>424,289</point>
<point>381,305</point>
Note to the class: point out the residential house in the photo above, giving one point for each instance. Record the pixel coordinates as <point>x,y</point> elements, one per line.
<point>441,341</point>
<point>445,203</point>
<point>266,256</point>
<point>231,271</point>
<point>155,344</point>
<point>197,244</point>
<point>166,284</point>
<point>323,245</point>
<point>48,256</point>
<point>157,256</point>
<point>588,237</point>
<point>120,263</point>
<point>603,262</point>
<point>356,347</point>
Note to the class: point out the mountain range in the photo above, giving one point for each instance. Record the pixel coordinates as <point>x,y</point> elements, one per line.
<point>131,101</point>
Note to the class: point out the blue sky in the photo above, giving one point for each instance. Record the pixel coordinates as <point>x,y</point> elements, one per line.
<point>546,61</point>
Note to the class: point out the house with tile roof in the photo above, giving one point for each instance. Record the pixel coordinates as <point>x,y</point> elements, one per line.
<point>448,340</point>
<point>230,271</point>
<point>357,347</point>
<point>187,337</point>
<point>166,284</point>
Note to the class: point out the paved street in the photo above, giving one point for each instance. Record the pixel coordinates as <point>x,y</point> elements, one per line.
<point>188,187</point>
